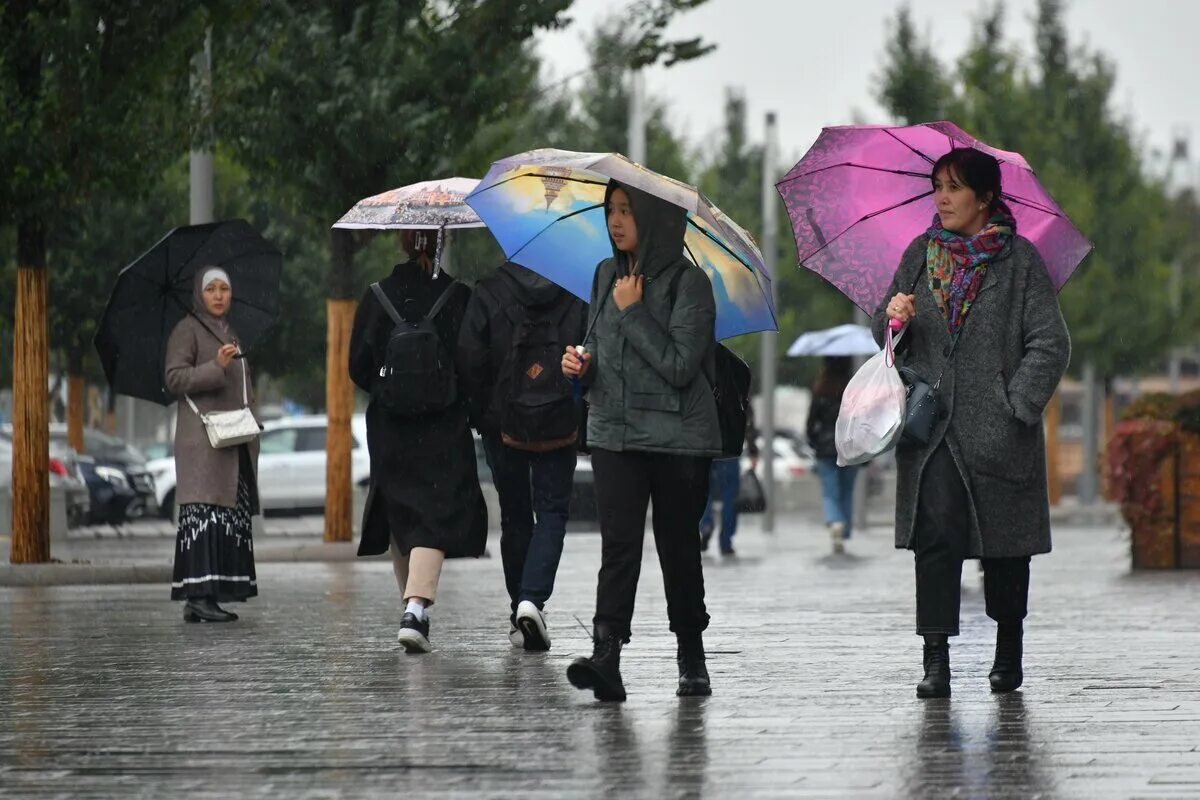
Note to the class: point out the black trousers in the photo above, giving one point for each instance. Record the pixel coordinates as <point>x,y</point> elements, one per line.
<point>678,485</point>
<point>942,525</point>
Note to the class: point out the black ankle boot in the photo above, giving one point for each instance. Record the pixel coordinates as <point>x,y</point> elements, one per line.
<point>205,609</point>
<point>937,667</point>
<point>693,673</point>
<point>1007,674</point>
<point>602,672</point>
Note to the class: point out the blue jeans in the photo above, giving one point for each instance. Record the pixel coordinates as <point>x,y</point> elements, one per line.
<point>724,480</point>
<point>535,498</point>
<point>837,491</point>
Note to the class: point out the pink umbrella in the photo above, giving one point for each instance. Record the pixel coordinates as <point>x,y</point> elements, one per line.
<point>862,193</point>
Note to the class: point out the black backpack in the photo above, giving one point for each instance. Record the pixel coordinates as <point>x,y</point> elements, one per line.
<point>534,401</point>
<point>731,390</point>
<point>417,376</point>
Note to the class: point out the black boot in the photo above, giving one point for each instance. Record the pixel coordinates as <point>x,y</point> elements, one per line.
<point>693,673</point>
<point>602,672</point>
<point>1007,674</point>
<point>205,609</point>
<point>937,667</point>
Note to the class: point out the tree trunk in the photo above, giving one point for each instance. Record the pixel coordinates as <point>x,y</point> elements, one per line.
<point>31,413</point>
<point>339,392</point>
<point>1053,453</point>
<point>75,400</point>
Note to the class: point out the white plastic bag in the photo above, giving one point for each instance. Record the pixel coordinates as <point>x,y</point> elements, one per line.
<point>871,418</point>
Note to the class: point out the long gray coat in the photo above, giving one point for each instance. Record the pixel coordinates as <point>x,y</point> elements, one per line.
<point>1012,352</point>
<point>204,474</point>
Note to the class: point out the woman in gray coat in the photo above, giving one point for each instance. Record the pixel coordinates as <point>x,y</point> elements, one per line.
<point>652,429</point>
<point>981,314</point>
<point>216,491</point>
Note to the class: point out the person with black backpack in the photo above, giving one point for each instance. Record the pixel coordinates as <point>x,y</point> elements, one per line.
<point>516,327</point>
<point>654,425</point>
<point>424,504</point>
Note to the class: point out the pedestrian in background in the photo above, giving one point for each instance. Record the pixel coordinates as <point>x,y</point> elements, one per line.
<point>424,503</point>
<point>981,313</point>
<point>652,430</point>
<point>216,490</point>
<point>837,483</point>
<point>516,328</point>
<point>724,484</point>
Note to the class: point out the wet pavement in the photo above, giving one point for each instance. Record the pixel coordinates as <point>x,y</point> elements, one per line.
<point>106,693</point>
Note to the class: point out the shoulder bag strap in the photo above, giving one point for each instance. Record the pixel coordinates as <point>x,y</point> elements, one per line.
<point>245,391</point>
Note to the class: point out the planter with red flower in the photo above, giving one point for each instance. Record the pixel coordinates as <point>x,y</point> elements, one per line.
<point>1152,468</point>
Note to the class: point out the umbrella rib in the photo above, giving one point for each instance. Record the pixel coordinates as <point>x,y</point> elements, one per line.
<point>888,131</point>
<point>517,252</point>
<point>1030,204</point>
<point>720,244</point>
<point>904,172</point>
<point>872,215</point>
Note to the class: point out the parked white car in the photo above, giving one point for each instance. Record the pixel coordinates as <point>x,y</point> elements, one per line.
<point>291,464</point>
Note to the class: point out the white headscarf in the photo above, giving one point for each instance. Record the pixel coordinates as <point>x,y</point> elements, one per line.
<point>212,274</point>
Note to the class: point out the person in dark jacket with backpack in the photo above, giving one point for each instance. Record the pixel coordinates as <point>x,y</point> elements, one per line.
<point>516,327</point>
<point>424,503</point>
<point>653,429</point>
<point>837,483</point>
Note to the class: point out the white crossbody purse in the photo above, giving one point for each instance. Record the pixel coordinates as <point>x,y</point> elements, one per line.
<point>230,428</point>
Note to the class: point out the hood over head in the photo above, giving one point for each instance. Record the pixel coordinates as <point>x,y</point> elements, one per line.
<point>530,288</point>
<point>661,226</point>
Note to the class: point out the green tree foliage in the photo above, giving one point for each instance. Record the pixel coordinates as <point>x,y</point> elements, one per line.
<point>1055,108</point>
<point>913,85</point>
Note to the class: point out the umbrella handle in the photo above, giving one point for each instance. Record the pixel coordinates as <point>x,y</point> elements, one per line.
<point>895,324</point>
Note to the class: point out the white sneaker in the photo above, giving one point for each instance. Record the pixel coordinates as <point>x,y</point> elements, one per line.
<point>532,623</point>
<point>515,637</point>
<point>837,536</point>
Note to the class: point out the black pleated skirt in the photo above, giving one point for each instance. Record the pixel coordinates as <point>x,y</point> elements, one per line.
<point>214,551</point>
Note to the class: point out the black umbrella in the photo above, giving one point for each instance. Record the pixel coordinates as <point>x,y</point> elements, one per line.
<point>155,292</point>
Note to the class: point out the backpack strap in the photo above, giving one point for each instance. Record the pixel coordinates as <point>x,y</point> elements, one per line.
<point>441,301</point>
<point>673,286</point>
<point>387,304</point>
<point>395,315</point>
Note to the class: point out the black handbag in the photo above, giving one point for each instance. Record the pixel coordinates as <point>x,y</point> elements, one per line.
<point>923,408</point>
<point>751,498</point>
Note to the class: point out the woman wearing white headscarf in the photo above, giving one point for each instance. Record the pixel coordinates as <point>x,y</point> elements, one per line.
<point>216,490</point>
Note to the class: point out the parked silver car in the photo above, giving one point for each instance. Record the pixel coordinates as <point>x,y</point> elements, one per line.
<point>66,475</point>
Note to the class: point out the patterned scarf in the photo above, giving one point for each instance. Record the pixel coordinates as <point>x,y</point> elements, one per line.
<point>957,264</point>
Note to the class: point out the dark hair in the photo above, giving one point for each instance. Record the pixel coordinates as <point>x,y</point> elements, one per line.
<point>834,375</point>
<point>974,169</point>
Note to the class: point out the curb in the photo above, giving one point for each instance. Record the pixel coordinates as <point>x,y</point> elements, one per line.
<point>101,574</point>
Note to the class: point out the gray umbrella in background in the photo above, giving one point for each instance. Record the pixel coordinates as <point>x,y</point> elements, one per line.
<point>844,340</point>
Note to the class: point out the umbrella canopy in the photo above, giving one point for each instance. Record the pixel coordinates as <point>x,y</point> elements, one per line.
<point>546,209</point>
<point>844,340</point>
<point>155,292</point>
<point>862,193</point>
<point>429,204</point>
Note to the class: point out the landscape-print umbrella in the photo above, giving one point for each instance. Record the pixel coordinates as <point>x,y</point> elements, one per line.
<point>862,193</point>
<point>429,204</point>
<point>155,292</point>
<point>546,209</point>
